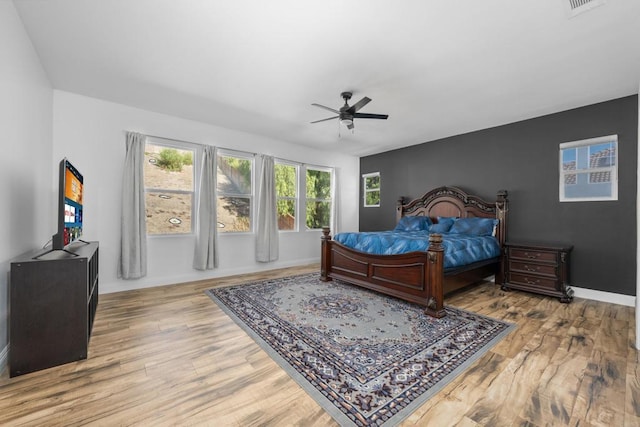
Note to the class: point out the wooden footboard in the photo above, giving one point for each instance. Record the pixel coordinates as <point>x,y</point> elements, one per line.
<point>417,276</point>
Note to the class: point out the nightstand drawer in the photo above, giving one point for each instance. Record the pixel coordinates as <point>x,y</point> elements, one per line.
<point>529,267</point>
<point>533,255</point>
<point>533,281</point>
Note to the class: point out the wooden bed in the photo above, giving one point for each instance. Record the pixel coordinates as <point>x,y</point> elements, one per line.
<point>419,277</point>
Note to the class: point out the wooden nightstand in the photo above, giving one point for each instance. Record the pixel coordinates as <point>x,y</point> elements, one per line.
<point>540,268</point>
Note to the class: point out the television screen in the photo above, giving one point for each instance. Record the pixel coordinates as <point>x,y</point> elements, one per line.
<point>72,204</point>
<point>70,193</point>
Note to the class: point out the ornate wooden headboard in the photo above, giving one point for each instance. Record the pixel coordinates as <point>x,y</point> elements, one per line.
<point>454,202</point>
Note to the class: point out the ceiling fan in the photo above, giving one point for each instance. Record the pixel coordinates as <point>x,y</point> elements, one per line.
<point>347,113</point>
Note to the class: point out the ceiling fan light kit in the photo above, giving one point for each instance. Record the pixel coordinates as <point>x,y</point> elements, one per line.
<point>346,122</point>
<point>347,113</point>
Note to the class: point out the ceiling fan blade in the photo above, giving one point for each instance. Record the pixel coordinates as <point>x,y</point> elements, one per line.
<point>370,116</point>
<point>358,105</point>
<point>324,120</point>
<point>326,108</point>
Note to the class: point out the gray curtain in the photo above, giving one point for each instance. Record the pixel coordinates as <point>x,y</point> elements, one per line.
<point>133,228</point>
<point>267,220</point>
<point>206,253</point>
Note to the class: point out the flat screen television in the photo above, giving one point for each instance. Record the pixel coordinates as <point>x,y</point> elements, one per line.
<point>70,215</point>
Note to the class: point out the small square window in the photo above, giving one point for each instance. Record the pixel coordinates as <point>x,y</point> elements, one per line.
<point>589,169</point>
<point>371,186</point>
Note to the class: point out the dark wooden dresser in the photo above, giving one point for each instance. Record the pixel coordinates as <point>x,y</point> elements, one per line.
<point>54,298</point>
<point>538,267</point>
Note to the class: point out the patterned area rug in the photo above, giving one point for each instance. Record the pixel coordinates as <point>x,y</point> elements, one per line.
<point>367,359</point>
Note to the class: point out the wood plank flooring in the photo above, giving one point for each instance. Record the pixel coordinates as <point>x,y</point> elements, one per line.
<point>170,356</point>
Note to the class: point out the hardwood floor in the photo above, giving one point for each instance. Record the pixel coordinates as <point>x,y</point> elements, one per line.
<point>170,356</point>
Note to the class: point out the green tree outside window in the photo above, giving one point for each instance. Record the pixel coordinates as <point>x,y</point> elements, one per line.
<point>371,186</point>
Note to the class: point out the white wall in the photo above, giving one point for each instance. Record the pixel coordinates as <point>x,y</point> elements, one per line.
<point>25,159</point>
<point>91,133</point>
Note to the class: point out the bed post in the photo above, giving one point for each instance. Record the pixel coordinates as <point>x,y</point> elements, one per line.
<point>435,272</point>
<point>399,212</point>
<point>325,255</point>
<point>502,209</point>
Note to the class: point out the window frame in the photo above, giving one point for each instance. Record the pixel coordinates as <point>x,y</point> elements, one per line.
<point>331,200</point>
<point>612,169</point>
<point>223,152</point>
<point>178,145</point>
<point>296,198</point>
<point>367,190</point>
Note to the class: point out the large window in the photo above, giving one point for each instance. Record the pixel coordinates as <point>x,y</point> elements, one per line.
<point>169,188</point>
<point>287,195</point>
<point>589,169</point>
<point>318,182</point>
<point>235,192</point>
<point>371,185</point>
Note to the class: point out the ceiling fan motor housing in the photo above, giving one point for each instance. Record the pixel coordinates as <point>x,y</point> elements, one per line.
<point>344,113</point>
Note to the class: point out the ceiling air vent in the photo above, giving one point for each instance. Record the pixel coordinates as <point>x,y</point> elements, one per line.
<point>576,7</point>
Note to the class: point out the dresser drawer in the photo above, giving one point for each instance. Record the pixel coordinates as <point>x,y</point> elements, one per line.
<point>533,281</point>
<point>533,255</point>
<point>532,267</point>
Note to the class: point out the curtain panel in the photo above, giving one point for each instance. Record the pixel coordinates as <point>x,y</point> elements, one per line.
<point>206,251</point>
<point>267,219</point>
<point>133,229</point>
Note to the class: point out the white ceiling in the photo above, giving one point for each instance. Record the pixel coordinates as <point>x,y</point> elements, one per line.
<point>437,67</point>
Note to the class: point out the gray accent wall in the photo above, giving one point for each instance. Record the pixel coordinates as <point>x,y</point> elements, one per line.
<point>523,158</point>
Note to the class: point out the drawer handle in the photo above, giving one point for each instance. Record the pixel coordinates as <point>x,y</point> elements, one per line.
<point>532,256</point>
<point>531,282</point>
<point>533,269</point>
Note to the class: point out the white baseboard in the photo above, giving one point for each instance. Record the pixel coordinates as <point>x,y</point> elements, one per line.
<point>4,358</point>
<point>585,293</point>
<point>613,298</point>
<point>128,285</point>
<point>610,297</point>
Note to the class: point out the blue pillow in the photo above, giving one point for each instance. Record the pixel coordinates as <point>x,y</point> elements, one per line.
<point>444,224</point>
<point>440,227</point>
<point>474,226</point>
<point>413,223</point>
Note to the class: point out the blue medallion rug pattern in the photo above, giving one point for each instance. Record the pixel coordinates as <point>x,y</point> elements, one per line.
<point>367,359</point>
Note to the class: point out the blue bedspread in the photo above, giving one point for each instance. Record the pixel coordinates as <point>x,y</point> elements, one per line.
<point>459,249</point>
